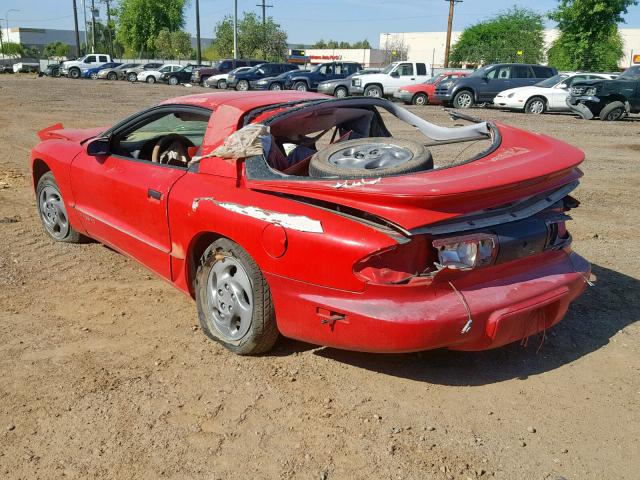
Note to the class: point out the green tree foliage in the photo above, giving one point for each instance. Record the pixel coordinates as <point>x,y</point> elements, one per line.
<point>55,49</point>
<point>140,22</point>
<point>335,44</point>
<point>254,40</point>
<point>173,44</point>
<point>515,35</point>
<point>12,49</point>
<point>589,37</point>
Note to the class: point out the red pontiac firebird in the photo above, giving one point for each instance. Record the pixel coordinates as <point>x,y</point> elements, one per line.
<point>424,93</point>
<point>298,214</point>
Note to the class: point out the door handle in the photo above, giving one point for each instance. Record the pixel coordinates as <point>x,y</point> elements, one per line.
<point>413,78</point>
<point>156,195</point>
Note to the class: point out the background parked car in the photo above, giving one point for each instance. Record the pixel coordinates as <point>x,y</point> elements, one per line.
<point>92,72</point>
<point>548,95</point>
<point>340,87</point>
<point>390,79</point>
<point>424,93</point>
<point>220,80</point>
<point>607,99</point>
<point>275,83</point>
<point>131,74</point>
<point>152,76</point>
<point>52,70</point>
<point>200,75</point>
<point>486,82</point>
<point>308,81</point>
<point>180,76</point>
<point>117,73</point>
<point>73,68</point>
<point>242,81</point>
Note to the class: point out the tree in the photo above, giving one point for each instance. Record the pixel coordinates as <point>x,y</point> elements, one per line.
<point>256,40</point>
<point>140,22</point>
<point>361,44</point>
<point>515,35</point>
<point>319,44</point>
<point>55,49</point>
<point>12,49</point>
<point>589,37</point>
<point>173,44</point>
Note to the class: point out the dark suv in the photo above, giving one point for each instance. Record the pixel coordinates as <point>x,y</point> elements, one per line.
<point>242,81</point>
<point>607,99</point>
<point>486,82</point>
<point>181,76</point>
<point>222,66</point>
<point>325,71</point>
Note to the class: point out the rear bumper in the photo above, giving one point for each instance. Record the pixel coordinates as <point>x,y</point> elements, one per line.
<point>516,300</point>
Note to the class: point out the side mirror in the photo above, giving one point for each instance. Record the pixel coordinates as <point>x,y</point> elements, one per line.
<point>395,74</point>
<point>563,85</point>
<point>98,147</point>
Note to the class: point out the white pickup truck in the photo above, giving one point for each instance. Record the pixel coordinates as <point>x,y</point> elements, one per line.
<point>389,80</point>
<point>73,68</point>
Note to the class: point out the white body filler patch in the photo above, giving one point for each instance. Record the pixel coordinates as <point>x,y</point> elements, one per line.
<point>294,222</point>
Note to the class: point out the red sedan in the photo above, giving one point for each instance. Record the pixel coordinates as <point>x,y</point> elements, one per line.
<point>298,214</point>
<point>424,93</point>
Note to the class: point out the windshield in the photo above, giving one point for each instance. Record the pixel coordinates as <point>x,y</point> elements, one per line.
<point>632,73</point>
<point>389,67</point>
<point>481,72</point>
<point>550,82</point>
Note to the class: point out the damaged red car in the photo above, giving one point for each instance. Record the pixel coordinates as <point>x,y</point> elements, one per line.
<point>302,215</point>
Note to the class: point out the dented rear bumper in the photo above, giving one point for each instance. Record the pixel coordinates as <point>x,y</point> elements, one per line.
<point>506,304</point>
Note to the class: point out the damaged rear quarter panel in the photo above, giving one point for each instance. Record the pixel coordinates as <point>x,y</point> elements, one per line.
<point>321,249</point>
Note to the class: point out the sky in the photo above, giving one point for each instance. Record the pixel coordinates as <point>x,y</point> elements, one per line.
<point>306,21</point>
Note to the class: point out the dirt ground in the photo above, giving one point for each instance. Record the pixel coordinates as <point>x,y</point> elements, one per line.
<point>104,374</point>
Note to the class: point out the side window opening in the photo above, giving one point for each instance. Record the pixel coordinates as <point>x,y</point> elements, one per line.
<point>421,68</point>
<point>405,69</point>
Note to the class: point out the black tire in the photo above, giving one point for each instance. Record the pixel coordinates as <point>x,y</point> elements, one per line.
<point>341,92</point>
<point>612,111</point>
<point>243,85</point>
<point>373,91</point>
<point>222,84</point>
<point>420,99</point>
<point>275,86</point>
<point>262,331</point>
<point>323,163</point>
<point>94,76</point>
<point>463,99</point>
<point>174,80</point>
<point>151,79</point>
<point>301,86</point>
<point>132,77</point>
<point>535,106</point>
<point>48,192</point>
<point>74,73</point>
<point>55,72</point>
<point>112,76</point>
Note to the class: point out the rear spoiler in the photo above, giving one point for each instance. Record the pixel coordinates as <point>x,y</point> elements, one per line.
<point>45,134</point>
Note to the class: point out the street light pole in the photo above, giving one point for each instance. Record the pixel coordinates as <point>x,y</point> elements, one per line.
<point>84,11</point>
<point>235,29</point>
<point>93,27</point>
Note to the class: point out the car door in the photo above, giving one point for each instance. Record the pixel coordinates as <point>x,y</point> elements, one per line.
<point>401,76</point>
<point>122,196</point>
<point>635,99</point>
<point>495,81</point>
<point>557,96</point>
<point>90,61</point>
<point>522,76</point>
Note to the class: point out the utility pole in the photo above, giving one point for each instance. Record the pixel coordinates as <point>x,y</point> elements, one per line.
<point>84,11</point>
<point>449,26</point>
<point>75,21</point>
<point>109,27</point>
<point>93,27</point>
<point>264,11</point>
<point>235,29</point>
<point>198,50</point>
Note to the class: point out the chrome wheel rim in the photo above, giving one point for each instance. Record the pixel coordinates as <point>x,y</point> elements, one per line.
<point>371,156</point>
<point>243,85</point>
<point>537,106</point>
<point>464,100</point>
<point>615,114</point>
<point>222,85</point>
<point>374,92</point>
<point>230,298</point>
<point>341,93</point>
<point>276,86</point>
<point>53,212</point>
<point>94,76</point>
<point>421,100</point>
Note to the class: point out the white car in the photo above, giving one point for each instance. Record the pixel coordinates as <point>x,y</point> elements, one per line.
<point>220,81</point>
<point>548,95</point>
<point>152,76</point>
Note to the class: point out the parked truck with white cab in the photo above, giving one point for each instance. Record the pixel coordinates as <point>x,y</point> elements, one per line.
<point>73,68</point>
<point>389,80</point>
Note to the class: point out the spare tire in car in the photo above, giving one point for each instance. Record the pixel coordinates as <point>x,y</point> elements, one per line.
<point>370,157</point>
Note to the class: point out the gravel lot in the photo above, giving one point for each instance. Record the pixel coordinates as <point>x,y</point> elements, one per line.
<point>104,374</point>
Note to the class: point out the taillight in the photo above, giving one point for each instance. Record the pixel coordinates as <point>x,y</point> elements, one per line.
<point>467,251</point>
<point>397,264</point>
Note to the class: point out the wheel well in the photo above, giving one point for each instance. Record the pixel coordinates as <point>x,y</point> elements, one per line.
<point>419,93</point>
<point>376,84</point>
<point>614,98</point>
<point>340,86</point>
<point>298,80</point>
<point>466,89</point>
<point>198,246</point>
<point>39,169</point>
<point>541,97</point>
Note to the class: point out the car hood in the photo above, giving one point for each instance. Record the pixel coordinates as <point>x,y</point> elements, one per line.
<point>523,165</point>
<point>57,131</point>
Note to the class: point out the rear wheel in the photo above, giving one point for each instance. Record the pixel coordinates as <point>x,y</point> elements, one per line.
<point>112,76</point>
<point>173,81</point>
<point>243,85</point>
<point>222,84</point>
<point>535,105</point>
<point>234,301</point>
<point>300,86</point>
<point>132,77</point>
<point>613,111</point>
<point>53,213</point>
<point>151,79</point>
<point>341,92</point>
<point>420,99</point>
<point>373,91</point>
<point>463,99</point>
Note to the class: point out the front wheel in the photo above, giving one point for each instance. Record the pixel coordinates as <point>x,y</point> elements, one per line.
<point>151,79</point>
<point>132,77</point>
<point>373,91</point>
<point>94,76</point>
<point>300,86</point>
<point>463,99</point>
<point>420,99</point>
<point>275,86</point>
<point>52,211</point>
<point>74,73</point>
<point>612,111</point>
<point>234,301</point>
<point>222,84</point>
<point>173,81</point>
<point>112,76</point>
<point>535,106</point>
<point>341,92</point>
<point>243,85</point>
